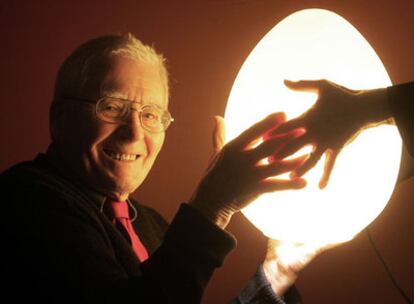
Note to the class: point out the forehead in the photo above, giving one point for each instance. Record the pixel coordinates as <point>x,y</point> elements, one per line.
<point>133,80</point>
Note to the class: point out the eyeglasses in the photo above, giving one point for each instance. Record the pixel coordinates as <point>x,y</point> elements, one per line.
<point>152,117</point>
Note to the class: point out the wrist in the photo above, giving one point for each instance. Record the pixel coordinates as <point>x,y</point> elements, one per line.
<point>374,107</point>
<point>219,217</point>
<point>280,277</point>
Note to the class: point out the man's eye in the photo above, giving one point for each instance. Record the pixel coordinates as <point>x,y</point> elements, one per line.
<point>111,108</point>
<point>150,116</point>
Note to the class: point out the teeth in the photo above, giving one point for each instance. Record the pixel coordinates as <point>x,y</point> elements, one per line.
<point>124,157</point>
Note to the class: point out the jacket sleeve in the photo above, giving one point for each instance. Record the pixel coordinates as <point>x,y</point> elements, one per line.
<point>401,102</point>
<point>259,291</point>
<point>192,248</point>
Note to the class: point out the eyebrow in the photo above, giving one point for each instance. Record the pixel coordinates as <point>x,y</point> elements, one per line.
<point>119,95</point>
<point>134,101</point>
<point>114,93</point>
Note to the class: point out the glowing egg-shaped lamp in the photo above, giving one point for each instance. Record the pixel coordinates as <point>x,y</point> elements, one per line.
<point>317,44</point>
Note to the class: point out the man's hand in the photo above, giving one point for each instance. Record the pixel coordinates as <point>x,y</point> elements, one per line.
<point>336,118</point>
<point>238,173</point>
<point>285,260</point>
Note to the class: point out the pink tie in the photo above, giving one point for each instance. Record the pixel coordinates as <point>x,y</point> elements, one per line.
<point>121,214</point>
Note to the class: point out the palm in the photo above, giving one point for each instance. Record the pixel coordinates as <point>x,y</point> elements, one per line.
<point>330,124</point>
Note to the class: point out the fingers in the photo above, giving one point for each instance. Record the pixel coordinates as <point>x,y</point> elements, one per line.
<point>280,167</point>
<point>331,156</point>
<point>270,185</point>
<point>309,163</point>
<point>293,146</point>
<point>219,134</point>
<point>258,129</point>
<point>305,85</point>
<point>271,146</point>
<point>289,125</point>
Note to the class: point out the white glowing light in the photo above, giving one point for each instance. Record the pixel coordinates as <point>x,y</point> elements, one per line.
<point>317,44</point>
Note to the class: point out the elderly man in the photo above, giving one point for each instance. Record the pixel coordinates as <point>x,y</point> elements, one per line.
<point>70,231</point>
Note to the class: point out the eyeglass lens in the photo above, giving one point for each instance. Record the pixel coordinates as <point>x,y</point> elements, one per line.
<point>116,111</point>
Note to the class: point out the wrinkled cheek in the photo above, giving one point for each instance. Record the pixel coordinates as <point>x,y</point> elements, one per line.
<point>150,162</point>
<point>156,146</point>
<point>153,148</point>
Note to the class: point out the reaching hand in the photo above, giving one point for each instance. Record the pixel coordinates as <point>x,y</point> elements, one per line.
<point>237,174</point>
<point>334,120</point>
<point>285,260</point>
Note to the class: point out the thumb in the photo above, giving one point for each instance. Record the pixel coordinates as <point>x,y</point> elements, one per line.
<point>304,85</point>
<point>219,134</point>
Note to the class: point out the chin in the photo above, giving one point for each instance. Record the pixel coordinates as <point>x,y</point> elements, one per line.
<point>124,187</point>
<point>117,181</point>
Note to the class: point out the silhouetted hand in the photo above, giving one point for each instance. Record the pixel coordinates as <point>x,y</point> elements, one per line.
<point>335,119</point>
<point>237,174</point>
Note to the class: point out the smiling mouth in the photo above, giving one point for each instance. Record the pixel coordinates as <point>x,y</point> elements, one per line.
<point>121,156</point>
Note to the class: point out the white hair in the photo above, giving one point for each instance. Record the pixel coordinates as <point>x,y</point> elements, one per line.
<point>88,59</point>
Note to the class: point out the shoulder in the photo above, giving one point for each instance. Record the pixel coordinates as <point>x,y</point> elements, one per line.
<point>21,180</point>
<point>34,187</point>
<point>34,172</point>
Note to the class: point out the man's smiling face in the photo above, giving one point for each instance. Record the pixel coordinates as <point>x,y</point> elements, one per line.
<point>114,159</point>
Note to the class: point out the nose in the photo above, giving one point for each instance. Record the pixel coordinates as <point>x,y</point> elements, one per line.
<point>132,129</point>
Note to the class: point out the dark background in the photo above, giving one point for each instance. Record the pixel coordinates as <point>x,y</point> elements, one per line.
<point>205,43</point>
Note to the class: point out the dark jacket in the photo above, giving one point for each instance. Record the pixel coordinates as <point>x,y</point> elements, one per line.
<point>58,247</point>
